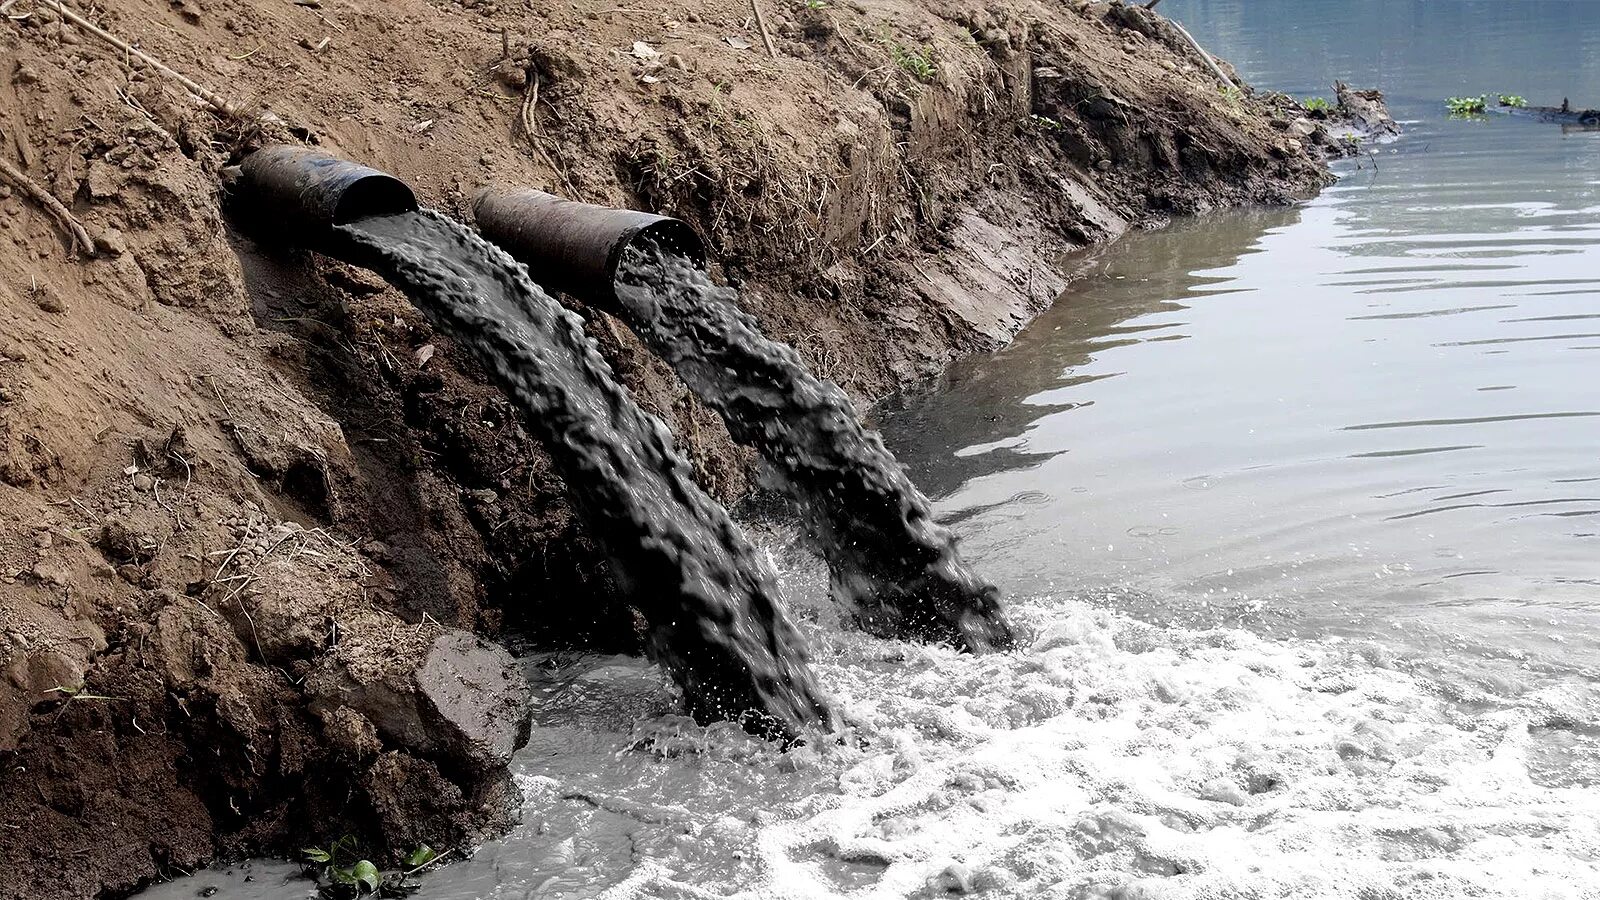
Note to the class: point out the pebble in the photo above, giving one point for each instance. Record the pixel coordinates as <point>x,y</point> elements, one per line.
<point>49,299</point>
<point>112,242</point>
<point>143,482</point>
<point>50,572</point>
<point>1103,165</point>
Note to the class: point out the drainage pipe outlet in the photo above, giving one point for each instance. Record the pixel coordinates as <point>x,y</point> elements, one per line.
<point>299,195</point>
<point>572,247</point>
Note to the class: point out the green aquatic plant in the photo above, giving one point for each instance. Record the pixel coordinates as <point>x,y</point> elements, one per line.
<point>1464,107</point>
<point>1315,104</point>
<point>342,873</point>
<point>1513,100</point>
<point>339,870</point>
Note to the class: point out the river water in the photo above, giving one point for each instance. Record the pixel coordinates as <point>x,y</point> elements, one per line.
<point>1296,512</point>
<point>1375,415</point>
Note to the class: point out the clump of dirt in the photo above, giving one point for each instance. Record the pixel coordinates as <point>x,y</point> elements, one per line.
<point>252,509</point>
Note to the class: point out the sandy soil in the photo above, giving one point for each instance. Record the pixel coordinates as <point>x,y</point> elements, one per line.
<point>253,511</point>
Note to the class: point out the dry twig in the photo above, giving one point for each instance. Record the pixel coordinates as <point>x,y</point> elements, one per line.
<point>761,23</point>
<point>1205,57</point>
<point>81,242</point>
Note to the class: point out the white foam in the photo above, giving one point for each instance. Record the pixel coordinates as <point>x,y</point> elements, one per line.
<point>1112,759</point>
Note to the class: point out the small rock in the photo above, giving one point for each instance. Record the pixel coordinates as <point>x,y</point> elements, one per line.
<point>189,10</point>
<point>49,571</point>
<point>25,74</point>
<point>112,242</point>
<point>43,540</point>
<point>49,299</point>
<point>104,181</point>
<point>143,482</point>
<point>1103,165</point>
<point>514,77</point>
<point>676,62</point>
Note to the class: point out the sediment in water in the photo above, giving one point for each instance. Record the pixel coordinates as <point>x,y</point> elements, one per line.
<point>716,618</point>
<point>894,566</point>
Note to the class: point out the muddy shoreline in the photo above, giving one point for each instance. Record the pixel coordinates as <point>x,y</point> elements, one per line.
<point>261,526</point>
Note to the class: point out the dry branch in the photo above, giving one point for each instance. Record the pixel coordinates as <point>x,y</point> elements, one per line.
<point>761,23</point>
<point>211,98</point>
<point>1212,63</point>
<point>81,242</point>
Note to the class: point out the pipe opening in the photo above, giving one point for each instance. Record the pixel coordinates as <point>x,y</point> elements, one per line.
<point>377,194</point>
<point>307,193</point>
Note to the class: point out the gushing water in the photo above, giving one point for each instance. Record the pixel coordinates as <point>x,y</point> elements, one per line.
<point>717,623</point>
<point>891,562</point>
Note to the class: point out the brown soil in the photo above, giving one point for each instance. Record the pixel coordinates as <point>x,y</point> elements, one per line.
<point>250,504</point>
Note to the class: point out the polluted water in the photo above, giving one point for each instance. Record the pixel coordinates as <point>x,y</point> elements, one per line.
<point>1100,757</point>
<point>1103,758</point>
<point>892,564</point>
<point>717,622</point>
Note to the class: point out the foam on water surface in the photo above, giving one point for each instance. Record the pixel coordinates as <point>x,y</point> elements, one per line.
<point>1108,758</point>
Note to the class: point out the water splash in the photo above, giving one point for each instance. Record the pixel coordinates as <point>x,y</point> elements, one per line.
<point>892,564</point>
<point>716,617</point>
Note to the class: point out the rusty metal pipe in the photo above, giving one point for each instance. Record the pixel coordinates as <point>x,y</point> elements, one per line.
<point>303,193</point>
<point>572,247</point>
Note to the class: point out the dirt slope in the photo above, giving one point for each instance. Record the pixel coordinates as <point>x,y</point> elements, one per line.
<point>252,509</point>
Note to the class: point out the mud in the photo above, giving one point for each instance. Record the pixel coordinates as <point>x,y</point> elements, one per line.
<point>231,478</point>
